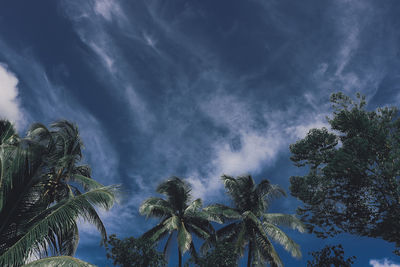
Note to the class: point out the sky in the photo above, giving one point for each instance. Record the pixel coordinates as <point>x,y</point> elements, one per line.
<point>196,89</point>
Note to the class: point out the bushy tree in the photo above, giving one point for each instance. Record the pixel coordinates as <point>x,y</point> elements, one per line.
<point>222,254</point>
<point>330,256</point>
<point>353,179</point>
<point>133,252</point>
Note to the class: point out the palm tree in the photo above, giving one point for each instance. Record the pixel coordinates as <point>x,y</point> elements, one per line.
<point>178,214</point>
<point>63,173</point>
<point>37,215</point>
<point>251,225</point>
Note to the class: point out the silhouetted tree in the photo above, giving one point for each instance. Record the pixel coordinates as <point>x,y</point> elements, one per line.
<point>353,179</point>
<point>133,252</point>
<point>223,254</point>
<point>330,256</point>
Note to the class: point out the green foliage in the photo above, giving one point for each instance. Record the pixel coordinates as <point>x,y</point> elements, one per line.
<point>178,214</point>
<point>251,225</point>
<point>330,256</point>
<point>59,261</point>
<point>43,191</point>
<point>222,255</point>
<point>133,252</point>
<point>352,184</point>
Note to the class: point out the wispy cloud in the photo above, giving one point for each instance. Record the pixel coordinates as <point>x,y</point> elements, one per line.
<point>53,102</point>
<point>114,69</point>
<point>351,29</point>
<point>108,9</point>
<point>254,141</point>
<point>10,106</point>
<point>383,263</point>
<point>193,89</point>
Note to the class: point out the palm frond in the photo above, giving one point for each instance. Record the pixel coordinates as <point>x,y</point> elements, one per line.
<point>229,232</point>
<point>194,206</point>
<point>279,236</point>
<point>274,192</point>
<point>60,242</point>
<point>231,186</point>
<point>60,216</point>
<point>69,242</point>
<point>184,238</point>
<point>173,223</point>
<point>262,239</point>
<point>286,220</point>
<point>20,172</point>
<point>158,231</point>
<point>241,240</point>
<point>7,131</point>
<point>177,191</point>
<point>224,211</point>
<point>198,231</point>
<point>267,252</point>
<point>60,261</point>
<point>40,134</point>
<point>86,182</point>
<point>156,207</point>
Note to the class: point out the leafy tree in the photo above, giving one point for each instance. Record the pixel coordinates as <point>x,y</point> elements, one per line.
<point>330,256</point>
<point>177,213</point>
<point>352,184</point>
<point>222,255</point>
<point>132,252</point>
<point>40,200</point>
<point>251,225</point>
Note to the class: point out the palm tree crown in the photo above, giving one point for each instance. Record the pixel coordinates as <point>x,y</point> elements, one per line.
<point>178,213</point>
<point>43,192</point>
<point>251,225</point>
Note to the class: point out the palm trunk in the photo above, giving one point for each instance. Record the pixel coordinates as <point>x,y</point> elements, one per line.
<point>180,257</point>
<point>249,254</point>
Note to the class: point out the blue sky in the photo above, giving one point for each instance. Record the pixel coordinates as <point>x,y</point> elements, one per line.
<point>195,89</point>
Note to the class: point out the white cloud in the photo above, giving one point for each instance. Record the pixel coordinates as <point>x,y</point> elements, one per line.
<point>383,263</point>
<point>260,141</point>
<point>299,128</point>
<point>108,9</point>
<point>256,151</point>
<point>9,103</point>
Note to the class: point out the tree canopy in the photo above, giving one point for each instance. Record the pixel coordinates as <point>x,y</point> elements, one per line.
<point>330,256</point>
<point>43,191</point>
<point>222,254</point>
<point>352,182</point>
<point>134,252</point>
